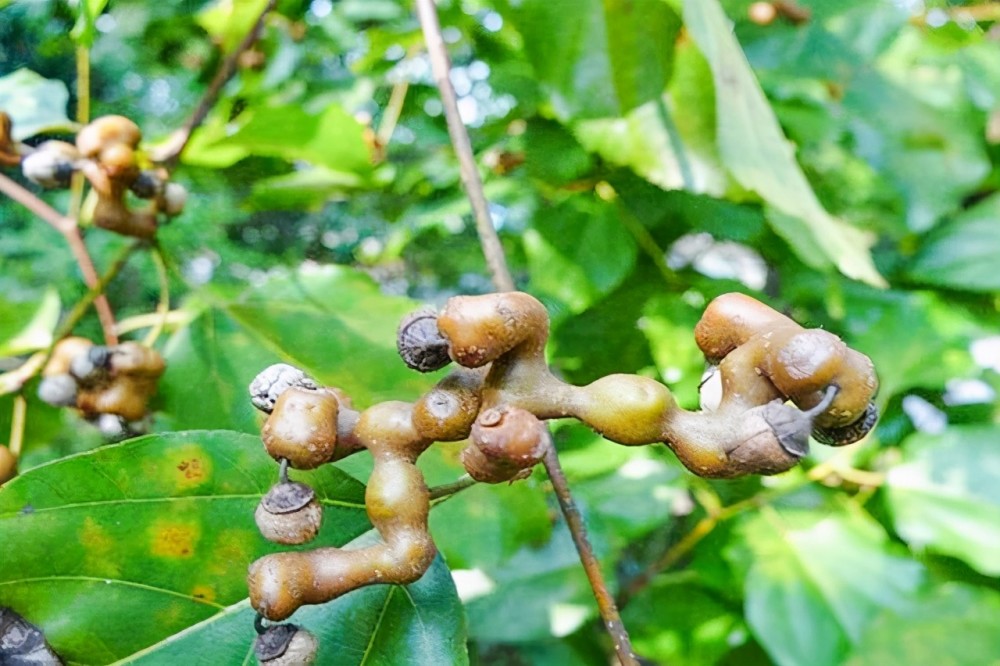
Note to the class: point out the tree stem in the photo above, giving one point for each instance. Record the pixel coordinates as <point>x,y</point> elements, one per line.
<point>605,600</point>
<point>441,66</point>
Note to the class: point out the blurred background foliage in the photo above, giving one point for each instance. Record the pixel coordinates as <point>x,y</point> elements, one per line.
<point>635,171</point>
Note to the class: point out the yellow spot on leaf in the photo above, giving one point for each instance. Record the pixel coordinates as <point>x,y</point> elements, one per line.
<point>173,539</point>
<point>99,549</point>
<point>203,592</point>
<point>189,466</point>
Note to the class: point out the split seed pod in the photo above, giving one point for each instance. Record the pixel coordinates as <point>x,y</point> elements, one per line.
<point>285,645</point>
<point>289,513</point>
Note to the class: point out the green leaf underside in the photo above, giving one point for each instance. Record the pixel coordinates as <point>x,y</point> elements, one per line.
<point>759,157</point>
<point>944,495</point>
<point>140,540</point>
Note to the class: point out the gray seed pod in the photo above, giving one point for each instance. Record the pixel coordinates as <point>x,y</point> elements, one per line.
<point>272,381</point>
<point>92,364</point>
<point>285,645</point>
<point>58,390</point>
<point>289,514</point>
<point>174,198</point>
<point>420,343</point>
<point>48,168</point>
<point>113,427</point>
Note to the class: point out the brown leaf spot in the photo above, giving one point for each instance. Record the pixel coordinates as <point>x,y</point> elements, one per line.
<point>175,540</point>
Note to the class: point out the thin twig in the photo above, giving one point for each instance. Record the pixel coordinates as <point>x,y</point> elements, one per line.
<point>225,72</point>
<point>449,489</point>
<point>18,420</point>
<point>163,306</point>
<point>605,600</point>
<point>393,110</point>
<point>503,281</point>
<point>70,231</point>
<point>441,66</point>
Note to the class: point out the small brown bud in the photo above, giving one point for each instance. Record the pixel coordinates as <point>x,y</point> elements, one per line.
<point>506,442</point>
<point>8,465</point>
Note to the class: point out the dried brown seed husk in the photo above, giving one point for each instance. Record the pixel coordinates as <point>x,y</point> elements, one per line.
<point>851,433</point>
<point>289,513</point>
<point>22,643</point>
<point>302,428</point>
<point>420,343</point>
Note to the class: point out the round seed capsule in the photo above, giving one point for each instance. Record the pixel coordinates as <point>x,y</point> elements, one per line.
<point>289,513</point>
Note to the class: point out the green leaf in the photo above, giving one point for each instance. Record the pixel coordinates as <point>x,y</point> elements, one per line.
<point>816,581</point>
<point>229,21</point>
<point>84,30</point>
<point>599,57</point>
<point>962,254</point>
<point>953,624</point>
<point>35,104</point>
<point>758,155</point>
<point>145,538</point>
<point>675,621</point>
<point>306,189</point>
<point>420,623</point>
<point>944,495</point>
<point>332,138</point>
<point>578,252</point>
<point>28,327</point>
<point>330,321</point>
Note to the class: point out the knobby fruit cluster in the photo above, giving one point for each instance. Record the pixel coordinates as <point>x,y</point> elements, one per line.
<point>780,383</point>
<point>107,153</point>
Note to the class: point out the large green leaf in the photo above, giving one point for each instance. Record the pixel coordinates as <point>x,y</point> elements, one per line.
<point>34,103</point>
<point>112,550</point>
<point>330,138</point>
<point>944,495</point>
<point>28,326</point>
<point>963,253</point>
<point>420,623</point>
<point>578,251</point>
<point>815,582</point>
<point>953,624</point>
<point>330,321</point>
<point>757,154</point>
<point>599,57</point>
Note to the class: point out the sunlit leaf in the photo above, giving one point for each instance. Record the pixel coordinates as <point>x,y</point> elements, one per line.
<point>599,57</point>
<point>758,156</point>
<point>145,538</point>
<point>944,495</point>
<point>962,254</point>
<point>816,581</point>
<point>28,327</point>
<point>953,624</point>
